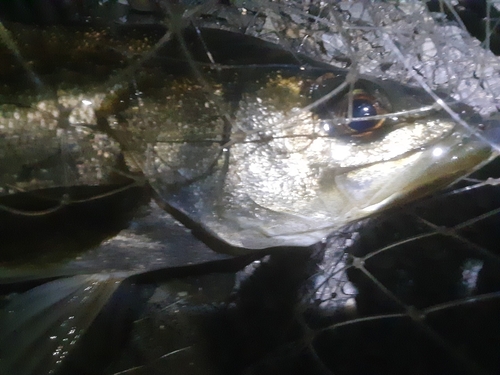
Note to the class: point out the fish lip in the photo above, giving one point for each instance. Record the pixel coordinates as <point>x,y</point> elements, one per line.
<point>443,161</point>
<point>466,154</point>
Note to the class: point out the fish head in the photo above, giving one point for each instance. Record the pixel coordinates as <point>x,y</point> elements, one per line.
<point>308,155</point>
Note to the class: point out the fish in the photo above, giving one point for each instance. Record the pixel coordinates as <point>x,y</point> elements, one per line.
<point>259,157</point>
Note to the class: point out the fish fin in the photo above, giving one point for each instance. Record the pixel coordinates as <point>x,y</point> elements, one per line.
<point>41,327</point>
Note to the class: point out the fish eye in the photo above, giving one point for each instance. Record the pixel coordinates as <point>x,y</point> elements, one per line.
<point>345,113</point>
<point>363,105</point>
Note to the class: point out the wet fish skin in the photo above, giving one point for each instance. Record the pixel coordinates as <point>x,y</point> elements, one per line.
<point>237,153</point>
<point>47,79</point>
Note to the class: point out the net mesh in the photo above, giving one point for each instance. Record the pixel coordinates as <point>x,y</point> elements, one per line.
<point>414,289</point>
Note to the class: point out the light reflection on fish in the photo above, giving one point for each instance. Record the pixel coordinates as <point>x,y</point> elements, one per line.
<point>240,155</point>
<point>249,153</point>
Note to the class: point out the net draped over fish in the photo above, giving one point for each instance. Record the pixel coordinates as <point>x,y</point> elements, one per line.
<point>330,167</point>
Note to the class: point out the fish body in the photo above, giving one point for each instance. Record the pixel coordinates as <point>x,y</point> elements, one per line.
<point>258,157</point>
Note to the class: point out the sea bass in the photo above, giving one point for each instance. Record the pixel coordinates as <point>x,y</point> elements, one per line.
<point>276,154</point>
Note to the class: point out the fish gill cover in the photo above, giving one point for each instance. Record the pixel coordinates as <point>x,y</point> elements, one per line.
<point>331,166</point>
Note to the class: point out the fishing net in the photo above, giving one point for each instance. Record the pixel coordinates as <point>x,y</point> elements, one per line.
<point>96,107</point>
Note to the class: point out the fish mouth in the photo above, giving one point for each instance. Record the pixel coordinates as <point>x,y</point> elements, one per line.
<point>423,172</point>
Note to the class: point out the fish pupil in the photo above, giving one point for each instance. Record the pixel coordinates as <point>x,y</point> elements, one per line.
<point>362,108</point>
